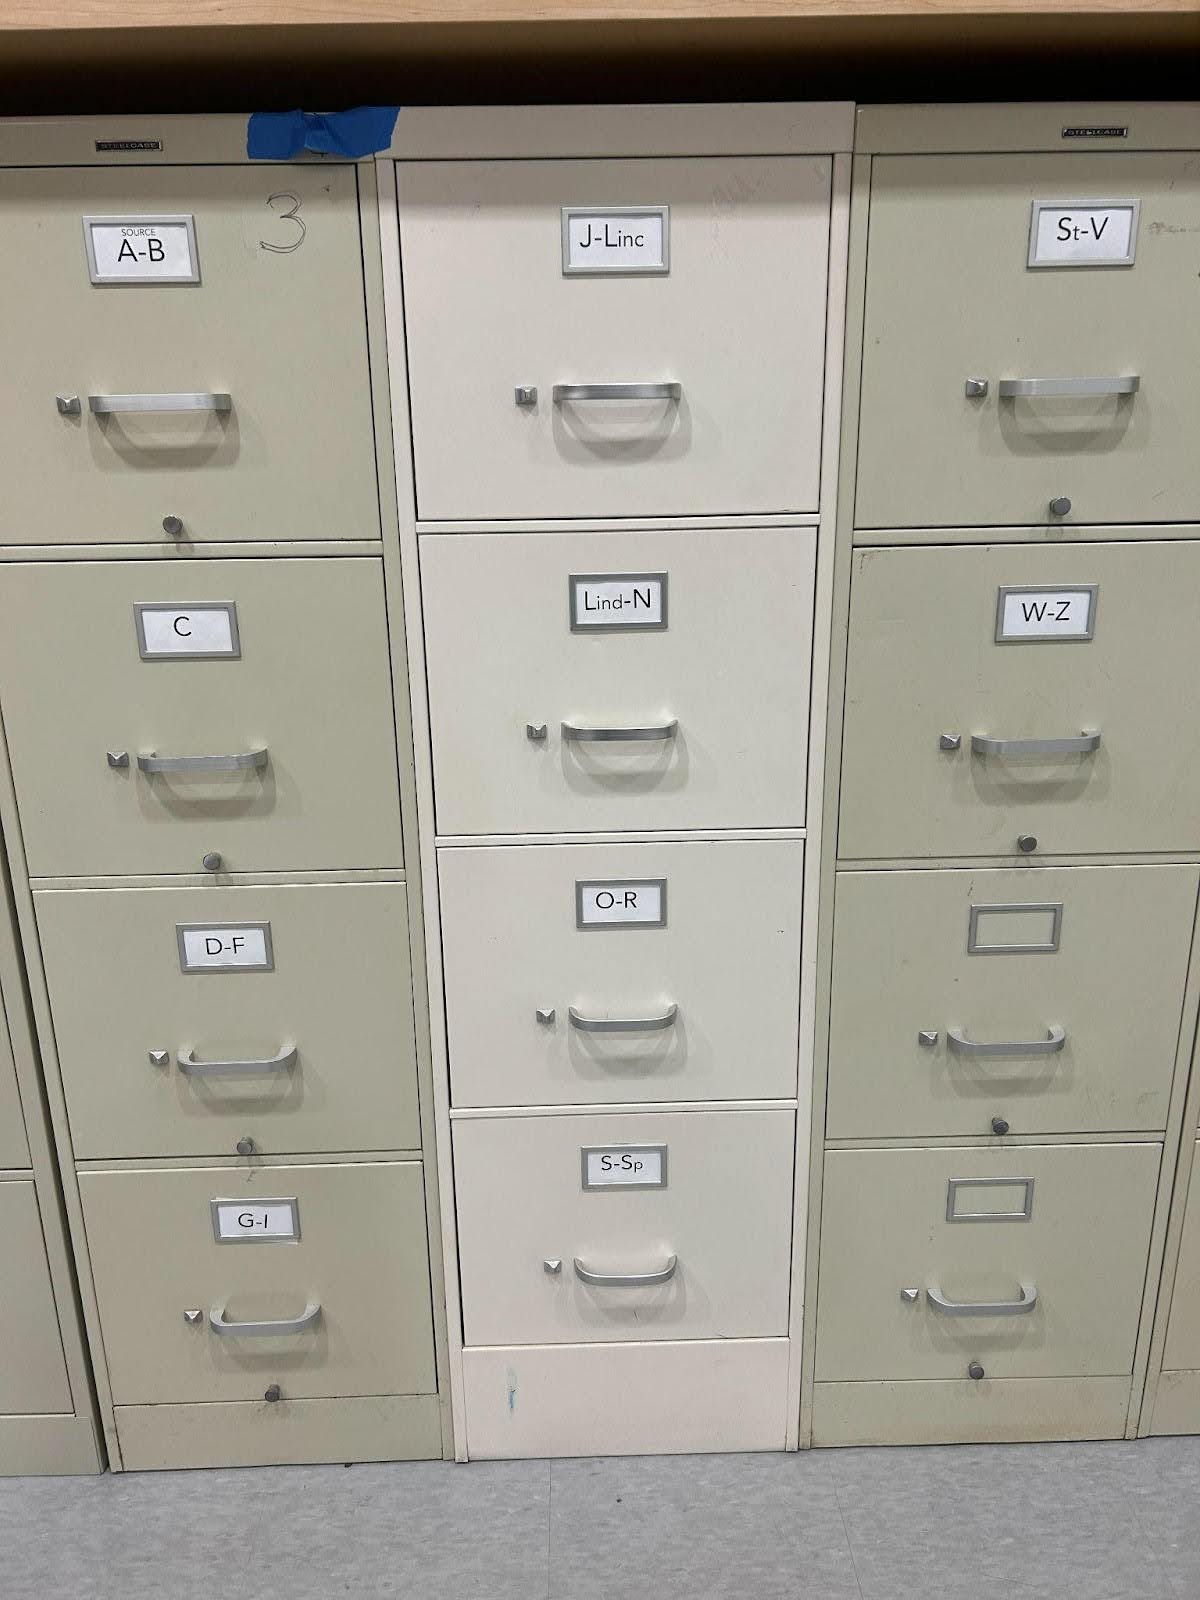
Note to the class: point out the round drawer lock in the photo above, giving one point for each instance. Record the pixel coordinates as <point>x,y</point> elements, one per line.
<point>173,526</point>
<point>1060,506</point>
<point>1026,843</point>
<point>212,861</point>
<point>245,1146</point>
<point>975,1371</point>
<point>999,1125</point>
<point>272,1393</point>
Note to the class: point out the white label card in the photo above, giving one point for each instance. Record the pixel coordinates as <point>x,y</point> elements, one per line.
<point>629,1166</point>
<point>616,902</point>
<point>612,239</point>
<point>141,249</point>
<point>187,632</point>
<point>247,1221</point>
<point>1074,233</point>
<point>1042,613</point>
<point>618,600</point>
<point>238,947</point>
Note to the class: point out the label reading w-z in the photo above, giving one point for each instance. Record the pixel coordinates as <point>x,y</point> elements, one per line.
<point>1041,613</point>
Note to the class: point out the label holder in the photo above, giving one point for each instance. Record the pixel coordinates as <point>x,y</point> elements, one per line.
<point>1052,908</point>
<point>1038,206</point>
<point>267,965</point>
<point>230,606</point>
<point>624,270</point>
<point>576,579</point>
<point>660,1150</point>
<point>184,219</point>
<point>582,884</point>
<point>1092,590</point>
<point>244,1204</point>
<point>1025,1214</point>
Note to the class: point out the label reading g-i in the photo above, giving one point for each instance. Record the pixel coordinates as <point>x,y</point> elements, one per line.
<point>246,1221</point>
<point>627,1166</point>
<point>141,249</point>
<point>618,600</point>
<point>1046,614</point>
<point>628,902</point>
<point>1075,233</point>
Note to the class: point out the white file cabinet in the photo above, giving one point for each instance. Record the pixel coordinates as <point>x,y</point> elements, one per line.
<point>621,330</point>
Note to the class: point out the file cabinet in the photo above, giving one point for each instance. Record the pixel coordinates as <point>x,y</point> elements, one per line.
<point>203,691</point>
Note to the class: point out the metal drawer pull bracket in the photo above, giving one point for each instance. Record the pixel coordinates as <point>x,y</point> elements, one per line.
<point>661,730</point>
<point>981,745</point>
<point>982,1308</point>
<point>616,391</point>
<point>307,1319</point>
<point>104,404</point>
<point>626,1280</point>
<point>187,1063</point>
<point>1054,1041</point>
<point>1067,388</point>
<point>243,761</point>
<point>623,1024</point>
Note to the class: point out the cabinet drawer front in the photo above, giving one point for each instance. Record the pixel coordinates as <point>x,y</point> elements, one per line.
<point>896,1271</point>
<point>729,339</point>
<point>719,696</point>
<point>716,1234</point>
<point>33,1373</point>
<point>14,1147</point>
<point>956,231</point>
<point>311,982</point>
<point>926,667</point>
<point>1182,1348</point>
<point>549,929</point>
<point>988,962</point>
<point>361,1256</point>
<point>278,333</point>
<point>306,707</point>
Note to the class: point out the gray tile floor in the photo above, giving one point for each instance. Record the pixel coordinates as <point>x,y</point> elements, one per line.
<point>1005,1522</point>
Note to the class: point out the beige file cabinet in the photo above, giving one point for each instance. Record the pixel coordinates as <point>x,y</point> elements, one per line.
<point>1175,1399</point>
<point>272,330</point>
<point>687,382</point>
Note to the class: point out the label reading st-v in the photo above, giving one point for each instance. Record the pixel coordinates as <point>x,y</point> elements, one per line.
<point>621,902</point>
<point>618,600</point>
<point>247,1221</point>
<point>187,632</point>
<point>615,239</point>
<point>236,947</point>
<point>1045,613</point>
<point>141,249</point>
<point>1083,233</point>
<point>625,1166</point>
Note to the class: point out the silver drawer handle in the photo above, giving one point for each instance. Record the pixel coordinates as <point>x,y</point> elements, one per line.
<point>623,1024</point>
<point>616,391</point>
<point>1067,388</point>
<point>626,1280</point>
<point>186,1060</point>
<point>983,1308</point>
<point>1054,1041</point>
<point>103,404</point>
<point>308,1318</point>
<point>660,730</point>
<point>1083,746</point>
<point>243,761</point>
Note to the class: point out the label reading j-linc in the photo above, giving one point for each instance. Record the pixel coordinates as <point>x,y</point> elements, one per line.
<point>1046,614</point>
<point>1075,233</point>
<point>631,902</point>
<point>612,239</point>
<point>618,600</point>
<point>629,1166</point>
<point>247,1221</point>
<point>186,632</point>
<point>141,249</point>
<point>236,947</point>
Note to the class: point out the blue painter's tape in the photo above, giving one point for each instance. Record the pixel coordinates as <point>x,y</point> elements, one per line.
<point>279,135</point>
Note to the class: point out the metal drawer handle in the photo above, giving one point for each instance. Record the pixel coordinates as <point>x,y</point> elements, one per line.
<point>623,1024</point>
<point>243,761</point>
<point>1054,1041</point>
<point>1066,388</point>
<point>307,1319</point>
<point>626,1280</point>
<point>186,1060</point>
<point>983,1308</point>
<point>616,391</point>
<point>103,404</point>
<point>1083,746</point>
<point>661,730</point>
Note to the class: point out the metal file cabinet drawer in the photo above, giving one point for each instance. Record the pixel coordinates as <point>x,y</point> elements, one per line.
<point>186,1316</point>
<point>14,1145</point>
<point>276,750</point>
<point>1069,733</point>
<point>608,974</point>
<point>1182,1349</point>
<point>189,1021</point>
<point>624,1226</point>
<point>691,712</point>
<point>991,385</point>
<point>604,377</point>
<point>1047,998</point>
<point>238,404</point>
<point>1028,1263</point>
<point>33,1371</point>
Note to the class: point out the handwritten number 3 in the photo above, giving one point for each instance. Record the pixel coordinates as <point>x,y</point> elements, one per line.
<point>286,216</point>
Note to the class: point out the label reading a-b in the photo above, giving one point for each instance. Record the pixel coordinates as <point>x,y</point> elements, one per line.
<point>621,902</point>
<point>1025,614</point>
<point>236,947</point>
<point>141,249</point>
<point>618,600</point>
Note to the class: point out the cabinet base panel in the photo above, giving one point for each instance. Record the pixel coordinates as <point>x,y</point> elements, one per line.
<point>287,1433</point>
<point>963,1411</point>
<point>47,1446</point>
<point>676,1398</point>
<point>1177,1403</point>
